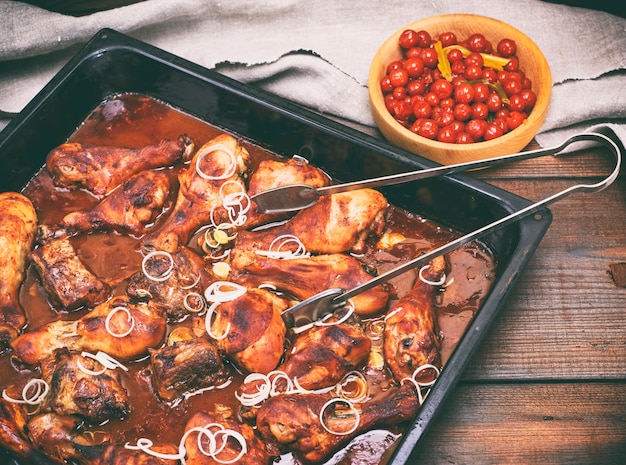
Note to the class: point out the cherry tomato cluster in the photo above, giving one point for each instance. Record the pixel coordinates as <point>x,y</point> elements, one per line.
<point>457,91</point>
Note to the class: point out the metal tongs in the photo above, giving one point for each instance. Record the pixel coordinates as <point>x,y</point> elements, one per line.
<point>298,196</point>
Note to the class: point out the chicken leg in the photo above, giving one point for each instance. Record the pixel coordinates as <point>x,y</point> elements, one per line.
<point>18,225</point>
<point>213,174</point>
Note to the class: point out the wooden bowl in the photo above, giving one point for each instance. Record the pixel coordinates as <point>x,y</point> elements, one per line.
<point>532,62</point>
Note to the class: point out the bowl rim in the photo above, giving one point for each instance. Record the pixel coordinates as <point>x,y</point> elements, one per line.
<point>380,113</point>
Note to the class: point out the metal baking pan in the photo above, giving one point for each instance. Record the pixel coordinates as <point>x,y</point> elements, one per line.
<point>112,63</point>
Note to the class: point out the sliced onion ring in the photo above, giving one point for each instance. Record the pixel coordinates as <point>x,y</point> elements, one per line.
<point>130,319</point>
<point>157,253</point>
<point>208,323</point>
<point>41,389</point>
<point>228,171</point>
<point>428,281</point>
<point>337,400</point>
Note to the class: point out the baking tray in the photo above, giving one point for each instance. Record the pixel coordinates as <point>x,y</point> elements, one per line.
<point>112,63</point>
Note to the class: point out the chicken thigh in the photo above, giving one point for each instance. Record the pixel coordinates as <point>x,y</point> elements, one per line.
<point>321,356</point>
<point>101,169</point>
<point>251,331</point>
<point>18,225</point>
<point>253,454</point>
<point>81,386</point>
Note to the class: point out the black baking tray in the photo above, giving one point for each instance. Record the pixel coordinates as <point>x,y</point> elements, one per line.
<point>112,63</point>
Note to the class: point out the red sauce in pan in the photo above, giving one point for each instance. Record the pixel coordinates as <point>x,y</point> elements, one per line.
<point>135,121</point>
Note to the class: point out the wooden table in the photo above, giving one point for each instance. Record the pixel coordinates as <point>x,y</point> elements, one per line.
<point>548,383</point>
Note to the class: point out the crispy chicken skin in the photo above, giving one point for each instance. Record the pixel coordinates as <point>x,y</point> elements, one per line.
<point>89,333</point>
<point>18,225</point>
<point>410,335</point>
<point>13,437</point>
<point>65,278</point>
<point>255,331</point>
<point>291,422</point>
<point>336,223</point>
<point>129,209</point>
<point>101,169</point>
<point>304,277</point>
<point>56,435</point>
<point>323,355</point>
<point>255,450</point>
<point>188,275</point>
<point>186,366</point>
<point>59,436</point>
<point>73,391</point>
<point>274,173</point>
<point>200,199</point>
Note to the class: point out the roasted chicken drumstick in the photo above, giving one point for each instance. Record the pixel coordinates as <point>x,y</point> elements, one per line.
<point>304,277</point>
<point>144,324</point>
<point>213,174</point>
<point>101,169</point>
<point>128,209</point>
<point>410,335</point>
<point>323,355</point>
<point>18,224</point>
<point>291,422</point>
<point>336,223</point>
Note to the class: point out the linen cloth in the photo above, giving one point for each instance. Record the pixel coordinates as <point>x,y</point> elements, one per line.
<point>318,53</point>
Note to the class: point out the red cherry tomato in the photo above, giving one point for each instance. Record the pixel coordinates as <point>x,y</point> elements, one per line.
<point>476,42</point>
<point>463,138</point>
<point>462,111</point>
<point>455,55</point>
<point>473,72</point>
<point>447,38</point>
<point>424,39</point>
<point>422,110</point>
<point>446,134</point>
<point>441,88</point>
<point>480,111</point>
<point>529,97</point>
<point>464,93</point>
<point>475,58</point>
<point>493,131</point>
<point>414,66</point>
<point>476,128</point>
<point>416,87</point>
<point>507,47</point>
<point>408,38</point>
<point>430,58</point>
<point>399,77</point>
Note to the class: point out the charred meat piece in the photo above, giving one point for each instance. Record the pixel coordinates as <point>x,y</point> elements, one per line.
<point>254,330</point>
<point>275,173</point>
<point>255,453</point>
<point>336,223</point>
<point>76,391</point>
<point>186,366</point>
<point>214,173</point>
<point>185,280</point>
<point>18,224</point>
<point>323,355</point>
<point>304,277</point>
<point>291,422</point>
<point>411,332</point>
<point>135,328</point>
<point>13,437</point>
<point>101,169</point>
<point>67,281</point>
<point>57,435</point>
<point>128,209</point>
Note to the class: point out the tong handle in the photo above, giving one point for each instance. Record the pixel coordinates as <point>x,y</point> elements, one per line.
<point>295,197</point>
<point>500,223</point>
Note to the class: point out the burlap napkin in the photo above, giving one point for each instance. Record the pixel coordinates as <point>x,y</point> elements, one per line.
<point>317,53</point>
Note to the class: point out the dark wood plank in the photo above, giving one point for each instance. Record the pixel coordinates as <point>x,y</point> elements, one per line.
<point>530,424</point>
